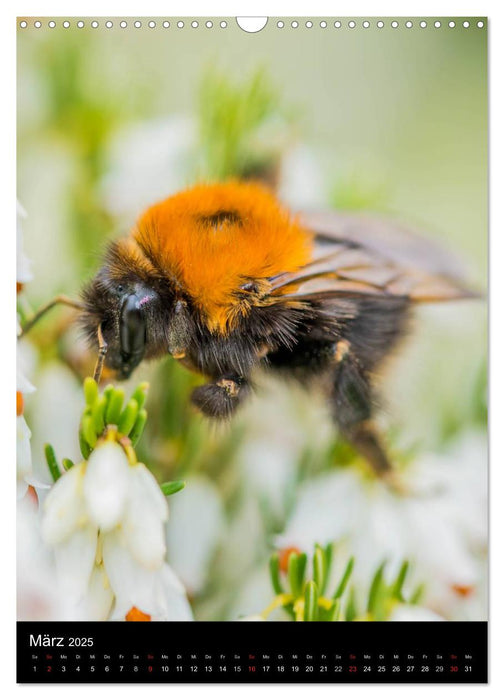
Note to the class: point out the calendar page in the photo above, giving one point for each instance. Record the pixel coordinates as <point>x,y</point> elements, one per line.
<point>252,349</point>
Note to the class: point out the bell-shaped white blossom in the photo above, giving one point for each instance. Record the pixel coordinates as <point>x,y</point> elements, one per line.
<point>105,519</point>
<point>37,597</point>
<point>191,549</point>
<point>425,525</point>
<point>24,468</point>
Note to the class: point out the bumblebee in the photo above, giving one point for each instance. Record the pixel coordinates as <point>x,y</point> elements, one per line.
<point>226,280</point>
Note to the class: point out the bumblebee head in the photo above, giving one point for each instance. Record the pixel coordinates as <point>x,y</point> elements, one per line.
<point>132,312</point>
<point>118,315</point>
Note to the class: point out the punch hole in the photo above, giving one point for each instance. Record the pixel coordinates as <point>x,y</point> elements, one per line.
<point>23,24</point>
<point>280,24</point>
<point>351,24</point>
<point>166,24</point>
<point>223,24</point>
<point>194,24</point>
<point>481,24</point>
<point>152,24</point>
<point>323,24</point>
<point>52,24</point>
<point>138,24</point>
<point>294,24</point>
<point>466,25</point>
<point>180,24</point>
<point>337,24</point>
<point>409,24</point>
<point>80,24</point>
<point>66,24</point>
<point>380,24</point>
<point>209,24</point>
<point>423,24</point>
<point>123,24</point>
<point>252,24</point>
<point>309,24</point>
<point>38,24</point>
<point>437,24</point>
<point>95,24</point>
<point>109,24</point>
<point>451,24</point>
<point>366,24</point>
<point>395,24</point>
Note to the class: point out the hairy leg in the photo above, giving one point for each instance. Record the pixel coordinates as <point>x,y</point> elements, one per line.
<point>221,398</point>
<point>352,404</point>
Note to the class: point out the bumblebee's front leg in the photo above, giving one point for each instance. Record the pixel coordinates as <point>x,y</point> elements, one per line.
<point>222,397</point>
<point>351,399</point>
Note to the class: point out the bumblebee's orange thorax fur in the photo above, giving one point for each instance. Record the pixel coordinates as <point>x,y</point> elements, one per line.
<point>211,239</point>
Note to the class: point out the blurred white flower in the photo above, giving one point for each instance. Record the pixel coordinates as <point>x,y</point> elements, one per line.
<point>23,434</point>
<point>154,159</point>
<point>194,531</point>
<point>55,416</point>
<point>414,613</point>
<point>301,181</point>
<point>435,525</point>
<point>23,267</point>
<point>148,162</point>
<point>37,597</point>
<point>105,520</point>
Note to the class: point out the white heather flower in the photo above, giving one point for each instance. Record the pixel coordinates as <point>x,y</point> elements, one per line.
<point>414,613</point>
<point>55,416</point>
<point>194,532</point>
<point>37,597</point>
<point>427,525</point>
<point>23,434</point>
<point>105,520</point>
<point>148,161</point>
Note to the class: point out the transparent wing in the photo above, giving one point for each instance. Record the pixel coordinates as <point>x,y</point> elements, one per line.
<point>364,255</point>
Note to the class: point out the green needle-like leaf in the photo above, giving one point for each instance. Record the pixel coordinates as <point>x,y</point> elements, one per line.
<point>98,415</point>
<point>84,446</point>
<point>376,589</point>
<point>292,574</point>
<point>417,594</point>
<point>88,431</point>
<point>171,487</point>
<point>319,568</point>
<point>52,462</point>
<point>311,602</point>
<point>301,569</point>
<point>90,391</point>
<point>344,579</point>
<point>334,611</point>
<point>128,417</point>
<point>399,582</point>
<point>113,411</point>
<point>137,430</point>
<point>329,550</point>
<point>274,567</point>
<point>140,394</point>
<point>351,609</point>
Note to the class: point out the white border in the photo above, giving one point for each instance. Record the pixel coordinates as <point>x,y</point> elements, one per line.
<point>273,8</point>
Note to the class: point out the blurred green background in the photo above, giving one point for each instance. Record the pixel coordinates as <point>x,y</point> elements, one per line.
<point>388,120</point>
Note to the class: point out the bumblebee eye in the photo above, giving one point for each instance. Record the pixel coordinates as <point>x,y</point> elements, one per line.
<point>132,328</point>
